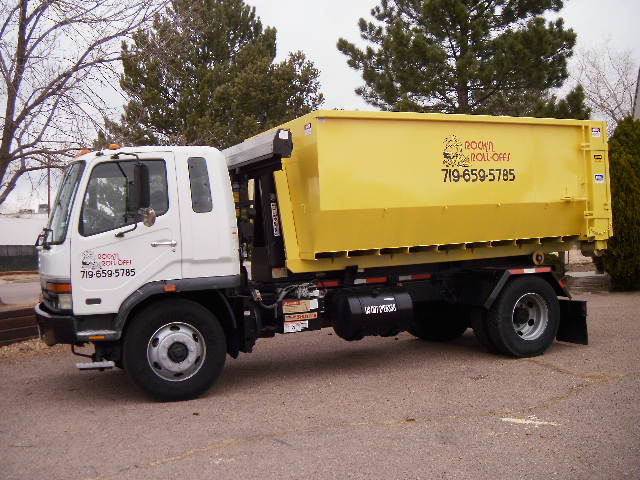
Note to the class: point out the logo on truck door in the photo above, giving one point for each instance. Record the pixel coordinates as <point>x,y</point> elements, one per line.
<point>89,261</point>
<point>105,265</point>
<point>460,158</point>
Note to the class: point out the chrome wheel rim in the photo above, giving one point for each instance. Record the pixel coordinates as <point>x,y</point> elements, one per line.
<point>176,351</point>
<point>530,316</point>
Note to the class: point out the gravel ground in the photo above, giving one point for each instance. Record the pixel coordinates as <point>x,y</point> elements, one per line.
<point>313,406</point>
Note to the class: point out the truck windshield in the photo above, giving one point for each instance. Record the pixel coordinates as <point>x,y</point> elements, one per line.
<point>59,219</point>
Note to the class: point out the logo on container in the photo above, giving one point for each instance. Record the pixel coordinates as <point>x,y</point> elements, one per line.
<point>453,153</point>
<point>458,154</point>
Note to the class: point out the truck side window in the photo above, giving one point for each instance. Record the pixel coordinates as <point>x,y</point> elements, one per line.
<point>200,189</point>
<point>104,206</point>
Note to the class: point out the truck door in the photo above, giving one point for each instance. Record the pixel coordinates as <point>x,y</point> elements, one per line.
<point>208,216</point>
<point>110,259</point>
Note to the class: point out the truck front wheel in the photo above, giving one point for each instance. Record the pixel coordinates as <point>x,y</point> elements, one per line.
<point>439,322</point>
<point>524,320</point>
<point>174,350</point>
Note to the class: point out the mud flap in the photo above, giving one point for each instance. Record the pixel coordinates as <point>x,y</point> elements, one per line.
<point>573,322</point>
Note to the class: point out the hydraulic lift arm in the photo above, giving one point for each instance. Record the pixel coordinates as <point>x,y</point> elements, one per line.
<point>258,215</point>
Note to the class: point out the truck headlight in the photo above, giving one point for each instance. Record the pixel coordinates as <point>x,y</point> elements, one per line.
<point>65,302</point>
<point>57,294</point>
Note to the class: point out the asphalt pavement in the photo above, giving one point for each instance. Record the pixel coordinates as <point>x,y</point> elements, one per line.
<point>21,291</point>
<point>312,406</point>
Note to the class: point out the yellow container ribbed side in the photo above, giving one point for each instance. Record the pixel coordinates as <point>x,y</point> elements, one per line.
<point>377,189</point>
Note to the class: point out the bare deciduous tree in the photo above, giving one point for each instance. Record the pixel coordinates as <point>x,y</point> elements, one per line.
<point>54,56</point>
<point>609,80</point>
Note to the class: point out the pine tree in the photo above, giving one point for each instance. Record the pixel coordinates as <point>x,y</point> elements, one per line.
<point>622,258</point>
<point>204,74</point>
<point>461,56</point>
<point>626,139</point>
<point>572,106</point>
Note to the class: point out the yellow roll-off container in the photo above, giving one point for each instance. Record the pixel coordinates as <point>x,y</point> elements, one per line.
<point>377,189</point>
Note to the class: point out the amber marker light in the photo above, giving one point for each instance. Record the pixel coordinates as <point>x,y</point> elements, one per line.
<point>170,288</point>
<point>59,287</point>
<point>82,152</point>
<point>114,146</point>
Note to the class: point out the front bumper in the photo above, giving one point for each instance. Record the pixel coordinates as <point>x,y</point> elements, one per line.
<point>55,327</point>
<point>67,328</point>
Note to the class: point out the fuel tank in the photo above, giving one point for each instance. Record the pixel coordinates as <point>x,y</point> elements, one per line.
<point>359,313</point>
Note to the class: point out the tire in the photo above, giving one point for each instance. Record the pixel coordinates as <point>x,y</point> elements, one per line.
<point>481,330</point>
<point>439,322</point>
<point>174,350</point>
<point>524,320</point>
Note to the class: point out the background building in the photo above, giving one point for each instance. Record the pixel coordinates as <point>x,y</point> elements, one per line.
<point>18,234</point>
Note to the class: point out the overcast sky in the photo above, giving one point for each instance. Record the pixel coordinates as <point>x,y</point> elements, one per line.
<point>314,28</point>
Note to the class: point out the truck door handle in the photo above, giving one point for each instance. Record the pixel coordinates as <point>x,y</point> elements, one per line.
<point>165,243</point>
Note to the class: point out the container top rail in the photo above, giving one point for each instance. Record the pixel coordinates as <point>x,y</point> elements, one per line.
<point>261,151</point>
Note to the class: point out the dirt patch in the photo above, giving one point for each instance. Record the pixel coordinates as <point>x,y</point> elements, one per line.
<point>21,277</point>
<point>17,306</point>
<point>19,272</point>
<point>30,348</point>
<point>595,283</point>
<point>580,267</point>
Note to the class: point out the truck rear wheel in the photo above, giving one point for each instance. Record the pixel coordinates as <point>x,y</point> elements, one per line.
<point>439,323</point>
<point>174,350</point>
<point>524,320</point>
<point>481,330</point>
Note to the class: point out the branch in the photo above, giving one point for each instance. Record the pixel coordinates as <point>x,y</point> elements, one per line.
<point>7,21</point>
<point>47,94</point>
<point>11,184</point>
<point>54,86</point>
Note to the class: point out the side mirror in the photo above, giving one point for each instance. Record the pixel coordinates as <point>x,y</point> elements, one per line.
<point>139,194</point>
<point>139,199</point>
<point>148,216</point>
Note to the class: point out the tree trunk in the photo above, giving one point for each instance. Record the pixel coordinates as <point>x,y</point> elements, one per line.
<point>9,129</point>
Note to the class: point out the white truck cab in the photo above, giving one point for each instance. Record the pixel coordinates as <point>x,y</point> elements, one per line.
<point>95,244</point>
